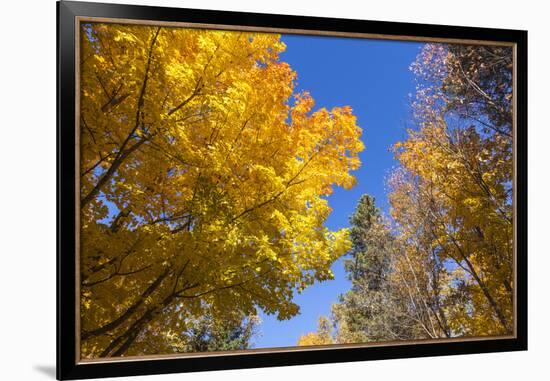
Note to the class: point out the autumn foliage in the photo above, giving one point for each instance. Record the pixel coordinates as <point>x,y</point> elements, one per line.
<point>204,184</point>
<point>204,178</point>
<point>441,265</point>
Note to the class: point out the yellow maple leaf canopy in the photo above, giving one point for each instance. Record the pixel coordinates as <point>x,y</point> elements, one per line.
<point>203,183</point>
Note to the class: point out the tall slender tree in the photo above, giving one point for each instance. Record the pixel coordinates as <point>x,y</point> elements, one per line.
<point>443,265</point>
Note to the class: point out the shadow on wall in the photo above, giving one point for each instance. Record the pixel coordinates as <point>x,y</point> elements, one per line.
<point>48,370</point>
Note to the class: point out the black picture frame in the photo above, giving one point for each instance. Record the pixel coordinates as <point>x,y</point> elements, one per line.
<point>67,364</point>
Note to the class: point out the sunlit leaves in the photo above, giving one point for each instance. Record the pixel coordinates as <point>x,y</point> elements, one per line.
<point>203,183</point>
<point>442,266</point>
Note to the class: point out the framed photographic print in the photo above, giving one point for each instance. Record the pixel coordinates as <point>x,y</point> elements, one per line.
<point>244,190</point>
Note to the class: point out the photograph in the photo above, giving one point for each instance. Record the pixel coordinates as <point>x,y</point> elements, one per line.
<point>241,190</point>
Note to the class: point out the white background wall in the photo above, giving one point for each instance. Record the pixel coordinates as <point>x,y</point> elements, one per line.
<point>27,188</point>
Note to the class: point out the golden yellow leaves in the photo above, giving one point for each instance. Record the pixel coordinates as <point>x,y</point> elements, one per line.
<point>454,187</point>
<point>208,198</point>
<point>323,336</point>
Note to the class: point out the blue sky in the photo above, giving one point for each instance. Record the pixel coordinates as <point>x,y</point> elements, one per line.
<point>373,77</point>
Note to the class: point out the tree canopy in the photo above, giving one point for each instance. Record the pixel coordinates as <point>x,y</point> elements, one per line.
<point>204,178</point>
